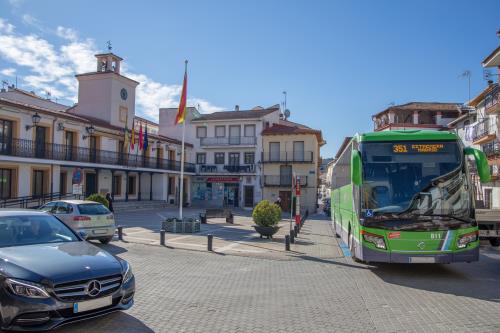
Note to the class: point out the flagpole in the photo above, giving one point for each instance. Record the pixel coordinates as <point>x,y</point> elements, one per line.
<point>181,199</point>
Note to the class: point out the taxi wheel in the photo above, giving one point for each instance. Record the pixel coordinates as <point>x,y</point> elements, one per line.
<point>106,240</point>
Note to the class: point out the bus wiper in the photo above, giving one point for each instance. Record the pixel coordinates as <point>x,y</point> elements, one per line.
<point>448,216</point>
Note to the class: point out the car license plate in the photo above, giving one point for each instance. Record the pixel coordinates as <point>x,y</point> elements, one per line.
<point>92,304</point>
<point>488,233</point>
<point>100,231</point>
<point>422,260</point>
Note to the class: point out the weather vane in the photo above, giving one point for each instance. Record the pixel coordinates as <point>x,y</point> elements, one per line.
<point>109,45</point>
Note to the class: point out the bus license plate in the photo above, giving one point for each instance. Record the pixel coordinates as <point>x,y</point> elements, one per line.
<point>92,304</point>
<point>422,260</point>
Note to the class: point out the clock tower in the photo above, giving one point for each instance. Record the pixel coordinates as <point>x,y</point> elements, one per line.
<point>106,94</point>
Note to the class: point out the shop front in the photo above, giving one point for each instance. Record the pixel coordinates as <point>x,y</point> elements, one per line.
<point>217,191</point>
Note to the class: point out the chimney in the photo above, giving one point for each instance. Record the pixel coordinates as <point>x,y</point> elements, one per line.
<point>490,82</point>
<point>236,107</point>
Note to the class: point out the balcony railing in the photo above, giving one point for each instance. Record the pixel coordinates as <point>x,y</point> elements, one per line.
<point>492,148</point>
<point>283,181</point>
<point>492,101</point>
<point>483,130</point>
<point>288,157</point>
<point>219,168</point>
<point>229,141</point>
<point>54,151</point>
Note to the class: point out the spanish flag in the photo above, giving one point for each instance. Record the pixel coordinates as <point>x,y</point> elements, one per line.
<point>132,142</point>
<point>125,137</point>
<point>181,112</point>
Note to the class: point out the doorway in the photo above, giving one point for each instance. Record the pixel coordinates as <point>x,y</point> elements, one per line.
<point>231,196</point>
<point>90,184</point>
<point>248,196</point>
<point>286,197</point>
<point>40,137</point>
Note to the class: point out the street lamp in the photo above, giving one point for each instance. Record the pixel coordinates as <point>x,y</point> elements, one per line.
<point>90,131</point>
<point>35,119</point>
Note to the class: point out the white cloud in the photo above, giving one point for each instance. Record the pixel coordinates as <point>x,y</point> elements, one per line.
<point>51,68</point>
<point>8,72</point>
<point>67,33</point>
<point>16,3</point>
<point>6,27</point>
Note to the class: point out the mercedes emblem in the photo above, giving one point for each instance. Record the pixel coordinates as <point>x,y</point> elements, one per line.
<point>93,288</point>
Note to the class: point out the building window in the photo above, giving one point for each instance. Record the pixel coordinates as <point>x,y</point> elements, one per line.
<point>219,158</point>
<point>5,136</point>
<point>234,159</point>
<point>201,132</point>
<point>5,183</point>
<point>298,151</point>
<point>274,151</point>
<point>250,130</point>
<point>131,184</point>
<point>38,183</point>
<point>117,185</point>
<point>63,177</point>
<point>249,158</point>
<point>201,158</point>
<point>220,131</point>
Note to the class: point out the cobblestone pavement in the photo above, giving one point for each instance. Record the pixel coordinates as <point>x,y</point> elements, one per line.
<point>193,291</point>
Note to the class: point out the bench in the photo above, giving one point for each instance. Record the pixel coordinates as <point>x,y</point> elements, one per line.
<point>217,213</point>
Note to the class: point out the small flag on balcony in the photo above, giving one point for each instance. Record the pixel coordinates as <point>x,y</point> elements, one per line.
<point>181,112</point>
<point>132,142</point>
<point>141,143</point>
<point>145,137</point>
<point>125,138</point>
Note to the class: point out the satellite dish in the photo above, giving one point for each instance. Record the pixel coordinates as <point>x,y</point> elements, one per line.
<point>287,113</point>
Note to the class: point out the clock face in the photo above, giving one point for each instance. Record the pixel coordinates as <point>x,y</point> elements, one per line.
<point>123,93</point>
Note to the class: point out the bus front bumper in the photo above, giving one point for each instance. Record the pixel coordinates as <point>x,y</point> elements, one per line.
<point>369,255</point>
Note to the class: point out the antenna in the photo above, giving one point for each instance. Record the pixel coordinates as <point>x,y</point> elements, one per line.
<point>466,74</point>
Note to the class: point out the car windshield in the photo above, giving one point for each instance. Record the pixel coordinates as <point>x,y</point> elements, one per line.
<point>413,177</point>
<point>93,209</point>
<point>33,229</point>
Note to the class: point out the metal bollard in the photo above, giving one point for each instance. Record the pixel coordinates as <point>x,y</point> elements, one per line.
<point>287,243</point>
<point>162,237</point>
<point>292,237</point>
<point>120,232</point>
<point>210,240</point>
<point>295,230</point>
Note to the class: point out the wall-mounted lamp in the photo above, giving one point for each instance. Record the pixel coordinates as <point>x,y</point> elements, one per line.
<point>60,126</point>
<point>157,145</point>
<point>35,119</point>
<point>90,131</point>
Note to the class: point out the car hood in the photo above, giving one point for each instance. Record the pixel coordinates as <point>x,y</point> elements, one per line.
<point>57,263</point>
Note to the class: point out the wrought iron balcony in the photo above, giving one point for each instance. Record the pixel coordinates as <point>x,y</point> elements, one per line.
<point>219,168</point>
<point>484,131</point>
<point>228,141</point>
<point>283,181</point>
<point>288,157</point>
<point>54,151</point>
<point>492,149</point>
<point>492,101</point>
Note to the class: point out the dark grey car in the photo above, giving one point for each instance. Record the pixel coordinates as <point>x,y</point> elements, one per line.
<point>50,276</point>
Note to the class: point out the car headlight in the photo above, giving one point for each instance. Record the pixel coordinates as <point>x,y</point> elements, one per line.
<point>27,289</point>
<point>376,240</point>
<point>464,240</point>
<point>128,273</point>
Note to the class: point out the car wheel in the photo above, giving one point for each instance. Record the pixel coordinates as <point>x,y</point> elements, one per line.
<point>495,242</point>
<point>106,240</point>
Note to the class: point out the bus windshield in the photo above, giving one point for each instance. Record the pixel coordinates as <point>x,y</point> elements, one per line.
<point>414,178</point>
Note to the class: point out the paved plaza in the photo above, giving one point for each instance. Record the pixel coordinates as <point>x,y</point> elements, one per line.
<point>181,290</point>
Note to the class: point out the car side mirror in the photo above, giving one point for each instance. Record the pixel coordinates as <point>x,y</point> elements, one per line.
<point>356,172</point>
<point>83,234</point>
<point>483,169</point>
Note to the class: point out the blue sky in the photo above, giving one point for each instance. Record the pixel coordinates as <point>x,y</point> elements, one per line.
<point>339,61</point>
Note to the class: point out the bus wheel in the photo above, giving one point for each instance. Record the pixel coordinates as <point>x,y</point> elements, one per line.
<point>495,242</point>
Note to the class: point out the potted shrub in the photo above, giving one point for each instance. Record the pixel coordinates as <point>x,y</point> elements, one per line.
<point>266,217</point>
<point>96,197</point>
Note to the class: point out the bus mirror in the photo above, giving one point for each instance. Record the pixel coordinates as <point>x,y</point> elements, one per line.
<point>483,168</point>
<point>356,167</point>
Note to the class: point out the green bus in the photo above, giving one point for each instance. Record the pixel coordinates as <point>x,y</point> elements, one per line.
<point>407,197</point>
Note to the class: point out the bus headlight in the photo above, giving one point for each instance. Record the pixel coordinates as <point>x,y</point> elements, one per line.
<point>376,240</point>
<point>464,240</point>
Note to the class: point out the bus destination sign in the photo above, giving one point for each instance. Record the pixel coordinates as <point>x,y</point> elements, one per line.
<point>417,148</point>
